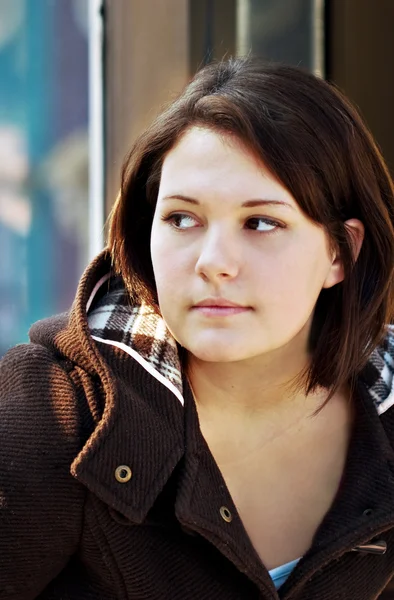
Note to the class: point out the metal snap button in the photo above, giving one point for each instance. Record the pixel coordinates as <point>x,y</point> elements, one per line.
<point>226,514</point>
<point>123,474</point>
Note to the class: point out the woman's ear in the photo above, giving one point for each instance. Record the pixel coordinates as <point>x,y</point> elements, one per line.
<point>356,233</point>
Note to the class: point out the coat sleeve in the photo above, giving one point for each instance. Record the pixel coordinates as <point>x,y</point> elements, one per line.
<point>41,504</point>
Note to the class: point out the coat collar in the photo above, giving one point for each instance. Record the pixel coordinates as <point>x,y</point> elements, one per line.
<point>139,419</point>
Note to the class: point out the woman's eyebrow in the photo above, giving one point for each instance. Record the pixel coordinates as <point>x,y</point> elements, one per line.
<point>247,204</point>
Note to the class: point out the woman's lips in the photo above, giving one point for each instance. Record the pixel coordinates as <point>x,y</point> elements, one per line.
<point>220,311</point>
<point>216,306</point>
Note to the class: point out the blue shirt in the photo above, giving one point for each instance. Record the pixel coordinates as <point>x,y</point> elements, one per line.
<point>280,574</point>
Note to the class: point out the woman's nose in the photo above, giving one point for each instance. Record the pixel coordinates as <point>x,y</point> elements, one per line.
<point>219,257</point>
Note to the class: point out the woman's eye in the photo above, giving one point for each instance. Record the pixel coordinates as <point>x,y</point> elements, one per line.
<point>262,224</point>
<point>180,221</point>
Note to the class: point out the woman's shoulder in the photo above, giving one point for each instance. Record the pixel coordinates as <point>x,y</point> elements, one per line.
<point>32,369</point>
<point>39,405</point>
<point>41,503</point>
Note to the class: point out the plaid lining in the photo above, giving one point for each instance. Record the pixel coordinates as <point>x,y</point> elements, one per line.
<point>378,374</point>
<point>112,317</point>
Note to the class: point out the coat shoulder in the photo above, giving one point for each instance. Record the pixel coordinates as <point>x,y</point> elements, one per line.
<point>31,378</point>
<point>39,406</point>
<point>41,503</point>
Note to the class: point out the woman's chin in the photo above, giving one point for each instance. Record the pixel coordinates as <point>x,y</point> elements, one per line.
<point>216,353</point>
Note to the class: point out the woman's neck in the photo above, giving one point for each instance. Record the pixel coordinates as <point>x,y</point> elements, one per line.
<point>250,405</point>
<point>254,386</point>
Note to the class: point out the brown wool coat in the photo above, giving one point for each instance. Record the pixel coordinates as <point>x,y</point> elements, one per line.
<point>75,527</point>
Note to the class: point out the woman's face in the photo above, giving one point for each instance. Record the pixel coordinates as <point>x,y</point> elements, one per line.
<point>225,229</point>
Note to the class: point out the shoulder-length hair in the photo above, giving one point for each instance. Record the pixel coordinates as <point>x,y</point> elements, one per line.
<point>313,140</point>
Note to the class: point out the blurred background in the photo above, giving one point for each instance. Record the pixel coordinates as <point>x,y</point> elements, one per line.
<point>80,79</point>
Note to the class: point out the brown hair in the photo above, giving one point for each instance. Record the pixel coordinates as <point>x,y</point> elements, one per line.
<point>315,143</point>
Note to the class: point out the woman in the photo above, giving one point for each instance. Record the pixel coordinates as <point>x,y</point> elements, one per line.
<point>213,419</point>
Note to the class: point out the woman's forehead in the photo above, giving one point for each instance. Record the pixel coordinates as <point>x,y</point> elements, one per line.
<point>204,163</point>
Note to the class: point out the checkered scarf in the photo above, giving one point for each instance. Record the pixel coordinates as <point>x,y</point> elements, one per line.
<point>113,317</point>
